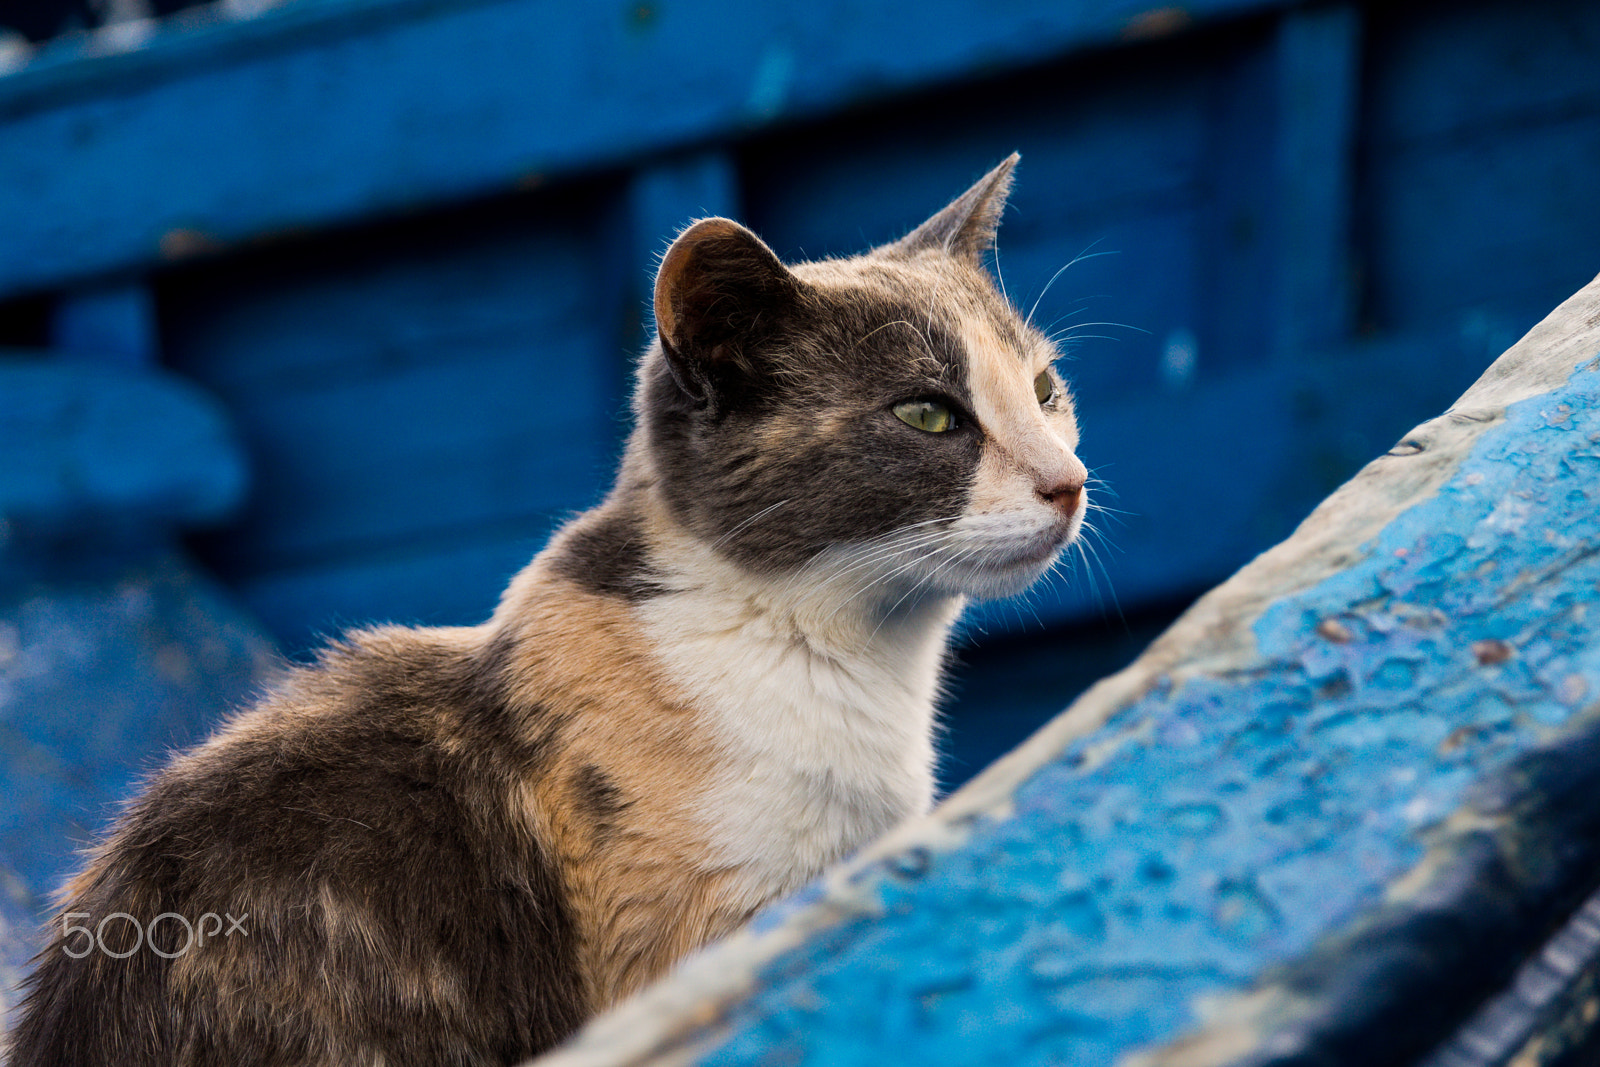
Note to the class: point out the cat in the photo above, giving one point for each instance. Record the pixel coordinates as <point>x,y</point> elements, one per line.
<point>455,845</point>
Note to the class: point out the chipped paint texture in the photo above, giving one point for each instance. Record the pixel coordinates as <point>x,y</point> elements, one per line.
<point>1215,821</point>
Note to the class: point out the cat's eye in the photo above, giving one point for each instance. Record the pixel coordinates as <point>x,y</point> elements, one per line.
<point>1044,387</point>
<point>928,415</point>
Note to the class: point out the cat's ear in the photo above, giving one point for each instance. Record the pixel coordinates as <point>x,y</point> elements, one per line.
<point>966,227</point>
<point>719,292</point>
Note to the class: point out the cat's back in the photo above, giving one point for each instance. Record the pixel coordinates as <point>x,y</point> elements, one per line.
<point>353,823</point>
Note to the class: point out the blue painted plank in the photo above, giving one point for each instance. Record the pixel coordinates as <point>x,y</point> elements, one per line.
<point>1237,232</point>
<point>1538,57</point>
<point>1276,772</point>
<point>427,449</point>
<point>113,322</point>
<point>667,195</point>
<point>1092,146</point>
<point>409,387</point>
<point>452,580</point>
<point>1451,226</point>
<point>84,444</point>
<point>355,303</point>
<point>1319,56</point>
<point>1477,205</point>
<point>321,113</point>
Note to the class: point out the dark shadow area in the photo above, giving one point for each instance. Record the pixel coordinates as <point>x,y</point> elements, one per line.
<point>40,20</point>
<point>25,322</point>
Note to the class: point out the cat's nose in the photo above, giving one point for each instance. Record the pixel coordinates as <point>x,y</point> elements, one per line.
<point>1066,496</point>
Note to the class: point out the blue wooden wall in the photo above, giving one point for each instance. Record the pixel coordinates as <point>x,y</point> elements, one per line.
<point>406,244</point>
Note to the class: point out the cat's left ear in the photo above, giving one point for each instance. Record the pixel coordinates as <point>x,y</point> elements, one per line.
<point>720,293</point>
<point>966,227</point>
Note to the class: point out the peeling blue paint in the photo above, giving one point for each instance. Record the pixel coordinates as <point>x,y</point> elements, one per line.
<point>1220,826</point>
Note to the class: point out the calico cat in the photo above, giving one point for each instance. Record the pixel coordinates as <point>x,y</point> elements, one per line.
<point>453,846</point>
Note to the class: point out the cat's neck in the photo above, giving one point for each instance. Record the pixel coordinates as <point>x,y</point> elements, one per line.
<point>818,688</point>
<point>834,611</point>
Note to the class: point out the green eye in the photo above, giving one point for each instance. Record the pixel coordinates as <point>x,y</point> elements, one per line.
<point>928,415</point>
<point>1044,387</point>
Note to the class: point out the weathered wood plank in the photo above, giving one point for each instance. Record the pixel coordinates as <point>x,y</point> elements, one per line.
<point>320,113</point>
<point>409,398</point>
<point>1538,57</point>
<point>1343,747</point>
<point>1319,59</point>
<point>450,580</point>
<point>1457,184</point>
<point>113,323</point>
<point>83,443</point>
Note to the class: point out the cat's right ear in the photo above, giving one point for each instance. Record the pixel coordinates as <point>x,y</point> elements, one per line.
<point>720,292</point>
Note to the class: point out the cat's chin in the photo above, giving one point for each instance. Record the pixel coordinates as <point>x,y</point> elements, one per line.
<point>1007,570</point>
<point>996,582</point>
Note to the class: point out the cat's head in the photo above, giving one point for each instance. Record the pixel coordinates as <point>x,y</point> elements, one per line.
<point>886,420</point>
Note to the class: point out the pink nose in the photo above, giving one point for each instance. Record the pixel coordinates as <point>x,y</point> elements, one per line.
<point>1066,496</point>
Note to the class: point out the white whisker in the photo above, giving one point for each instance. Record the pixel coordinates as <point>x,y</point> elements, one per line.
<point>719,542</point>
<point>926,579</point>
<point>1079,258</point>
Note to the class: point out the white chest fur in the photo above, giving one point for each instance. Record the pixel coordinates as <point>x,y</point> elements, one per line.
<point>822,715</point>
